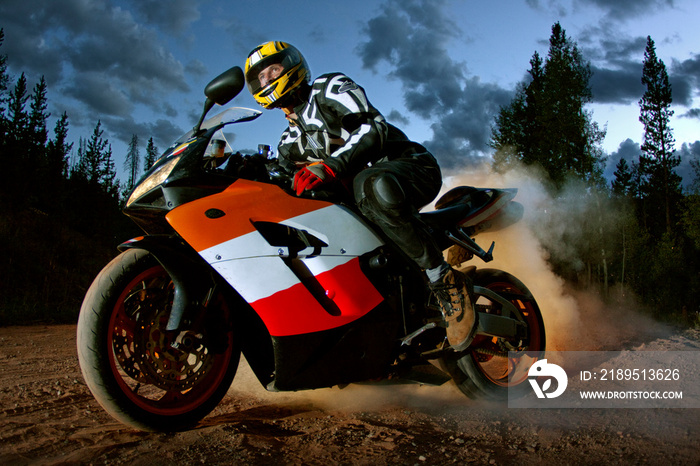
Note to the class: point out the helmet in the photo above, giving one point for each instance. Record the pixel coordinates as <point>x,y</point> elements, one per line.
<point>295,72</point>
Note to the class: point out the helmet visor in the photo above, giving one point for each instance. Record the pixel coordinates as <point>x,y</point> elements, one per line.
<point>288,58</point>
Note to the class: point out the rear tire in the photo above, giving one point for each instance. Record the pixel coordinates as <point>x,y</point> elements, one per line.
<point>128,359</point>
<point>484,370</point>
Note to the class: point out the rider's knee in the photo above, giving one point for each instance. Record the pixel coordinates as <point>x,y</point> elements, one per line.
<point>380,191</point>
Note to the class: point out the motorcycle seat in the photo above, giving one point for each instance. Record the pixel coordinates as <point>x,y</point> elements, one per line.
<point>447,216</point>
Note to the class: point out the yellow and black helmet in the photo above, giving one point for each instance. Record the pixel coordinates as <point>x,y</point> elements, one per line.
<point>295,72</point>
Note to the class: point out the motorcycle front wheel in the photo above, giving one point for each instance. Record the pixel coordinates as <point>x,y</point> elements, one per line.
<point>142,374</point>
<point>492,368</point>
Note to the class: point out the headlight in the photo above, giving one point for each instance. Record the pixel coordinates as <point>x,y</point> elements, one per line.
<point>154,179</point>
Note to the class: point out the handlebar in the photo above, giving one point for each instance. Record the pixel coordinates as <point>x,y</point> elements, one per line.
<point>258,168</point>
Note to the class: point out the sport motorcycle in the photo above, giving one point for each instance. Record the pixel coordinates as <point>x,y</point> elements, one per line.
<point>312,294</point>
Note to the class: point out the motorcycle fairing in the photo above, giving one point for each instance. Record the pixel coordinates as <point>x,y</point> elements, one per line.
<point>359,351</point>
<point>294,291</point>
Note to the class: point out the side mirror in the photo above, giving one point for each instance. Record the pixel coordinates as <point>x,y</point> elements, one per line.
<point>221,90</point>
<point>226,86</point>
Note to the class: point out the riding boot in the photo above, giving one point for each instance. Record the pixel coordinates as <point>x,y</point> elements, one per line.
<point>454,292</point>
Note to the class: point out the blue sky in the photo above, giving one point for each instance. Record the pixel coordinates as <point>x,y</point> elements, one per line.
<point>438,69</point>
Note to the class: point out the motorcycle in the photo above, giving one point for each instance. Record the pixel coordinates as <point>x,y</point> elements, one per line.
<point>307,290</point>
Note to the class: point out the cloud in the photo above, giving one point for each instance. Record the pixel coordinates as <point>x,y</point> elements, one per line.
<point>689,68</point>
<point>685,79</point>
<point>617,85</point>
<point>604,43</point>
<point>617,63</point>
<point>196,67</point>
<point>100,96</point>
<point>173,16</point>
<point>242,34</point>
<point>628,150</point>
<point>461,134</point>
<point>616,10</point>
<point>622,10</point>
<point>413,38</point>
<point>553,5</point>
<point>80,45</point>
<point>692,113</point>
<point>621,82</point>
<point>168,110</point>
<point>688,152</point>
<point>163,132</point>
<point>396,117</point>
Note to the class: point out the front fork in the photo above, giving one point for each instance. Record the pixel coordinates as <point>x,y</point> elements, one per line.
<point>191,276</point>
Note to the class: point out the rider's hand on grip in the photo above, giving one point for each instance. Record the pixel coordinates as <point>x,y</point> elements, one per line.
<point>312,176</point>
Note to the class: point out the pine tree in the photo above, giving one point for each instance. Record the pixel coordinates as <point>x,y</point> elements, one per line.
<point>695,185</point>
<point>37,133</point>
<point>622,184</point>
<point>658,161</point>
<point>4,80</point>
<point>92,159</point>
<point>691,214</point>
<point>77,168</point>
<point>55,169</point>
<point>108,179</point>
<point>58,149</point>
<point>17,118</point>
<point>131,162</point>
<point>546,124</point>
<point>510,133</point>
<point>151,154</point>
<point>13,156</point>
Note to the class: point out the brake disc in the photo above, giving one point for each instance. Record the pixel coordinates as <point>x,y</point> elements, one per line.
<point>151,355</point>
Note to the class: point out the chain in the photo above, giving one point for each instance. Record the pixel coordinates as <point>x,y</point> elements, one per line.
<point>498,354</point>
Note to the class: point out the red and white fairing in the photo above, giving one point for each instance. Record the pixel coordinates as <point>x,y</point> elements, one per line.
<point>256,269</point>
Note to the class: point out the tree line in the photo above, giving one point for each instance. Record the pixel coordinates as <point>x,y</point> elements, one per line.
<point>60,206</point>
<point>639,234</point>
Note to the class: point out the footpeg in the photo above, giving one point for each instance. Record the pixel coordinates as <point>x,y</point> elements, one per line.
<point>405,341</point>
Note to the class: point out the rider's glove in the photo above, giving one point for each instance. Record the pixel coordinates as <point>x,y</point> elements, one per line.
<point>312,176</point>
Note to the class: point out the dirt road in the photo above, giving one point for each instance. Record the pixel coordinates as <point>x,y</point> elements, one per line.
<point>47,416</point>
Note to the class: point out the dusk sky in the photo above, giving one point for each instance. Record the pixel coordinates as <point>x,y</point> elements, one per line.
<point>438,69</point>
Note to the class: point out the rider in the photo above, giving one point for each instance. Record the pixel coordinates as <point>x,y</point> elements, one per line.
<point>335,135</point>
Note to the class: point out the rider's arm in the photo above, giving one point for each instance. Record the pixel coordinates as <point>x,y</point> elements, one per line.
<point>363,128</point>
<point>289,156</point>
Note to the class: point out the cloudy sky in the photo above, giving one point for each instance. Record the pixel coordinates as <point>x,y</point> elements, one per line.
<point>439,69</point>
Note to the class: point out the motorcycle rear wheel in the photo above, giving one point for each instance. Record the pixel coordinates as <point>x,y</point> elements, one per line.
<point>484,370</point>
<point>141,374</point>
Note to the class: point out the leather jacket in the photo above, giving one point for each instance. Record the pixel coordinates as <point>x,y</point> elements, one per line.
<point>338,125</point>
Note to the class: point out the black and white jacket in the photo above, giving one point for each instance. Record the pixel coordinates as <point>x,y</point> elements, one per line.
<point>339,126</point>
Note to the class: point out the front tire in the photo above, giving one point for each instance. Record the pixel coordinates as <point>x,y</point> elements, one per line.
<point>484,370</point>
<point>141,374</point>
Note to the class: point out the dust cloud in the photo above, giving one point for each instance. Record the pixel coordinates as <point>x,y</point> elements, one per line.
<point>575,319</point>
<point>354,397</point>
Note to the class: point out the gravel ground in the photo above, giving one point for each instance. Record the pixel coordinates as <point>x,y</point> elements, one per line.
<point>48,416</point>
